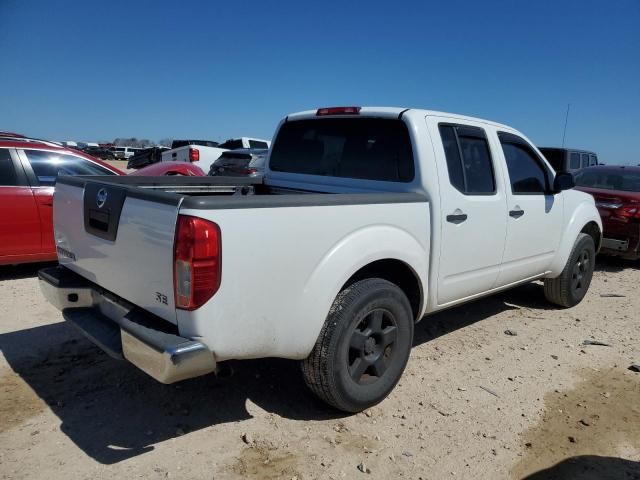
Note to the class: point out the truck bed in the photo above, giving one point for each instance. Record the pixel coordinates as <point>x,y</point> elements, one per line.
<point>220,192</point>
<point>278,245</point>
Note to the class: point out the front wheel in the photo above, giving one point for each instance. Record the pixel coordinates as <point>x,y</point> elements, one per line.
<point>571,286</point>
<point>363,346</point>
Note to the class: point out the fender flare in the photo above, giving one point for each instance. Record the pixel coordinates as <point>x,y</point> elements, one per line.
<point>583,214</point>
<point>346,257</point>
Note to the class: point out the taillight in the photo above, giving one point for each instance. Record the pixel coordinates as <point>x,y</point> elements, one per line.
<point>249,171</point>
<point>197,258</point>
<point>628,211</point>
<point>338,111</point>
<point>194,155</point>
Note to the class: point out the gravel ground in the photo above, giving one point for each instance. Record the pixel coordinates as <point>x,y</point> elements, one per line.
<point>474,402</point>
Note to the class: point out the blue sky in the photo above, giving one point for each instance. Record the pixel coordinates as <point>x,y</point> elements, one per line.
<point>89,70</point>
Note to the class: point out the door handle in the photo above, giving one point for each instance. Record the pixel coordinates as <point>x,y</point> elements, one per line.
<point>457,218</point>
<point>516,213</point>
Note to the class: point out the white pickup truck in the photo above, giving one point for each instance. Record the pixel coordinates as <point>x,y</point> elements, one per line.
<point>204,153</point>
<point>367,220</point>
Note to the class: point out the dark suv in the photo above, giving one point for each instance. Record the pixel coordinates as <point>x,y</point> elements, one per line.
<point>569,159</point>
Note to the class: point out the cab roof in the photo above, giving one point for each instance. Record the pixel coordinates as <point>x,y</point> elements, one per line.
<point>392,112</point>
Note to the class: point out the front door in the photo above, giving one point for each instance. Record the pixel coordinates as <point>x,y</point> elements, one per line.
<point>535,213</point>
<point>473,211</point>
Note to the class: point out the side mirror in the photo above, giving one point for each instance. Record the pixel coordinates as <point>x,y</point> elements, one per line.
<point>563,181</point>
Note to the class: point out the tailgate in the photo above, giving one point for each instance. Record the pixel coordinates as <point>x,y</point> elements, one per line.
<point>119,239</point>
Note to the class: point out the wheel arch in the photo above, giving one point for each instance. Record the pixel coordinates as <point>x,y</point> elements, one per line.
<point>397,272</point>
<point>584,219</point>
<point>594,231</point>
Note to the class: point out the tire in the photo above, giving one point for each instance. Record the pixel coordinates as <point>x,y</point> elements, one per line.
<point>571,286</point>
<point>363,347</point>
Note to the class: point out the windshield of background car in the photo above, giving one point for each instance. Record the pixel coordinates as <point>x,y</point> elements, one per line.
<point>363,148</point>
<point>608,180</point>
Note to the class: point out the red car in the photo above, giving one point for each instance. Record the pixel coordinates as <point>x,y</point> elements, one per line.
<point>28,172</point>
<point>616,190</point>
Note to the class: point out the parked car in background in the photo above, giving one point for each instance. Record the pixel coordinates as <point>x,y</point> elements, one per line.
<point>146,156</point>
<point>366,220</point>
<point>569,159</point>
<point>28,173</point>
<point>205,153</point>
<point>246,162</point>
<point>245,142</point>
<point>201,152</point>
<point>124,153</point>
<point>101,153</point>
<point>616,190</point>
<point>169,168</point>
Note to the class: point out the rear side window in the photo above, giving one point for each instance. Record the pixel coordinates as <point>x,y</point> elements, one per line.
<point>526,170</point>
<point>468,159</point>
<point>8,176</point>
<point>362,148</point>
<point>575,161</point>
<point>585,160</point>
<point>48,165</point>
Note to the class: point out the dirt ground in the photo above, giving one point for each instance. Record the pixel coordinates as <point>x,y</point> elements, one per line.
<point>120,165</point>
<point>474,402</point>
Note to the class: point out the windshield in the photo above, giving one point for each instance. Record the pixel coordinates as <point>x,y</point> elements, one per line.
<point>608,180</point>
<point>364,148</point>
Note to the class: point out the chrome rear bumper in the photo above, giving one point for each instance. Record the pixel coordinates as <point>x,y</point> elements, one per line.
<point>123,330</point>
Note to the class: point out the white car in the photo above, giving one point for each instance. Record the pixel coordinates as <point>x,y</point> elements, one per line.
<point>204,153</point>
<point>367,220</point>
<point>124,153</point>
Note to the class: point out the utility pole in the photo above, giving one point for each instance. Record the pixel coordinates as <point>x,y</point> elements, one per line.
<point>566,120</point>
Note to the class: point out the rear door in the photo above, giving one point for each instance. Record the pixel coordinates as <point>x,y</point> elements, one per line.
<point>535,216</point>
<point>19,219</point>
<point>473,210</point>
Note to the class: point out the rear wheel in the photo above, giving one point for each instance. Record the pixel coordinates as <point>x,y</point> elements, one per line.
<point>363,347</point>
<point>571,286</point>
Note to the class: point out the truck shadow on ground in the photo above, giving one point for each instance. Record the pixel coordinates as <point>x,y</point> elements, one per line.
<point>606,263</point>
<point>26,270</point>
<point>590,467</point>
<point>113,412</point>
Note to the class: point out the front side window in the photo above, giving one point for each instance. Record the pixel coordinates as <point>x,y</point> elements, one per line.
<point>526,171</point>
<point>8,175</point>
<point>593,160</point>
<point>468,159</point>
<point>48,165</point>
<point>362,148</point>
<point>575,161</point>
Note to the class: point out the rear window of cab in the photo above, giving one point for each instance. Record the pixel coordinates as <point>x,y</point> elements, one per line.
<point>359,148</point>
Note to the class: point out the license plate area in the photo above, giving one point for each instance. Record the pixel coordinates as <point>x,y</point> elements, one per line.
<point>102,207</point>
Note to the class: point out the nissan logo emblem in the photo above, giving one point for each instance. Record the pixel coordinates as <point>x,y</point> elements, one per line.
<point>101,197</point>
